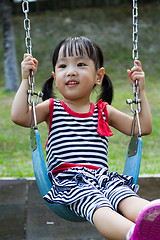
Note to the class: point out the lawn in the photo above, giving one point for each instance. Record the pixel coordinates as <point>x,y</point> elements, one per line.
<point>112,30</point>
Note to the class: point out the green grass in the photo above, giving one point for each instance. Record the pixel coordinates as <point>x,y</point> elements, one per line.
<point>111,29</point>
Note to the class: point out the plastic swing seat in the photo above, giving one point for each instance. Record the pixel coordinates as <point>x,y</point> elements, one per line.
<point>133,158</point>
<point>132,167</point>
<point>42,179</point>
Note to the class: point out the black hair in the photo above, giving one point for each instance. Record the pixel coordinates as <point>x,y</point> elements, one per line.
<point>80,46</point>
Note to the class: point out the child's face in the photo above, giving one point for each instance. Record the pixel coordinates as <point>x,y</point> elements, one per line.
<point>75,76</point>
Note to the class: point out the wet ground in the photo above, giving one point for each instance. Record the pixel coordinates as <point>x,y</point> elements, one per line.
<point>25,216</point>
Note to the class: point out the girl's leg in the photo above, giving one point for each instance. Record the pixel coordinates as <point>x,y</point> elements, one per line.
<point>111,224</point>
<point>147,216</point>
<point>131,207</point>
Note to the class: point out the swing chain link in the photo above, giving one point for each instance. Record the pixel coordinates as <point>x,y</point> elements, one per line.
<point>28,43</point>
<point>135,30</point>
<point>136,100</point>
<point>135,51</point>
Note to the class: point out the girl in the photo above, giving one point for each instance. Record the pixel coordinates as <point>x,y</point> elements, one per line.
<point>77,142</point>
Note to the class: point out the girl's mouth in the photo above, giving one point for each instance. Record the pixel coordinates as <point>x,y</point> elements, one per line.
<point>72,83</point>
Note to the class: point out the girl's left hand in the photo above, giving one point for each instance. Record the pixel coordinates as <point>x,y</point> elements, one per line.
<point>136,73</point>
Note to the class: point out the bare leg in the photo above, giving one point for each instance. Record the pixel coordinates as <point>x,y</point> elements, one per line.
<point>131,207</point>
<point>111,224</point>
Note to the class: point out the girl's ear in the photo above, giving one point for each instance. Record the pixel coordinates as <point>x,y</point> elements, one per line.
<point>53,74</point>
<point>54,77</point>
<point>100,75</point>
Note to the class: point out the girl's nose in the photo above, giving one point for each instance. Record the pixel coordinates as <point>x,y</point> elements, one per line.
<point>71,72</point>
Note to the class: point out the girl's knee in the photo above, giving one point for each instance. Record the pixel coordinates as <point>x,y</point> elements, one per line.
<point>131,207</point>
<point>101,213</point>
<point>111,224</point>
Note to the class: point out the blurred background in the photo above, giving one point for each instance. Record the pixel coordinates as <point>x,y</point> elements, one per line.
<point>109,24</point>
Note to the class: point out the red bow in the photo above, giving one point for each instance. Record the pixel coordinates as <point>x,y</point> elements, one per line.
<point>103,128</point>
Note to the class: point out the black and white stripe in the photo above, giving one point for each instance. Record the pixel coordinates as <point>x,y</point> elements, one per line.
<point>85,207</point>
<point>75,140</point>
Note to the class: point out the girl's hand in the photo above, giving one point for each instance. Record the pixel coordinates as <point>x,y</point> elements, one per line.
<point>28,64</point>
<point>136,73</point>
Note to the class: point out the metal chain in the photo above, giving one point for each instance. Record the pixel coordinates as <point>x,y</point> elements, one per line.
<point>135,50</point>
<point>28,43</point>
<point>135,30</point>
<point>136,100</point>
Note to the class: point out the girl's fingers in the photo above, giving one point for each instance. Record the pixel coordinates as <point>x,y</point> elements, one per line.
<point>28,58</point>
<point>138,63</point>
<point>27,55</point>
<point>28,64</point>
<point>136,73</point>
<point>136,69</point>
<point>138,66</point>
<point>35,62</point>
<point>28,61</point>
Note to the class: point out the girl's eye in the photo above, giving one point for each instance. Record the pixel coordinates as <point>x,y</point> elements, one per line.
<point>81,64</point>
<point>62,66</point>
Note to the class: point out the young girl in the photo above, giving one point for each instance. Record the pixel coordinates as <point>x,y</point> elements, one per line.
<point>77,142</point>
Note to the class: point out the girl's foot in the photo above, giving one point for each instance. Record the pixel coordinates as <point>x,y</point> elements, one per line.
<point>148,223</point>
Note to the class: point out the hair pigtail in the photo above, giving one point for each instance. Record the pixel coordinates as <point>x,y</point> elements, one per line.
<point>106,90</point>
<point>48,89</point>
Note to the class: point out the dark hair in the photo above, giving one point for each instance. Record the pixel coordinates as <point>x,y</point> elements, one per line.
<point>80,46</point>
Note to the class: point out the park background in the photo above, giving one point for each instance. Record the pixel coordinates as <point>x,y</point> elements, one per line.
<point>108,23</point>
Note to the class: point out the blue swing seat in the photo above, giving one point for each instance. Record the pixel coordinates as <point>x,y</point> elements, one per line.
<point>133,158</point>
<point>132,166</point>
<point>42,179</point>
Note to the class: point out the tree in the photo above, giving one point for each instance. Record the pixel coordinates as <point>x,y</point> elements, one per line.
<point>10,63</point>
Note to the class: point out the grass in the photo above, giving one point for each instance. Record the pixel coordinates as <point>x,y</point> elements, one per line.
<point>111,29</point>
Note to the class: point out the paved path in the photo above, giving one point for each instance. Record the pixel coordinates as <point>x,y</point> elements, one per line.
<point>25,216</point>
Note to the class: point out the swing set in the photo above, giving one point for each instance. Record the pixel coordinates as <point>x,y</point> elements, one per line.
<point>134,152</point>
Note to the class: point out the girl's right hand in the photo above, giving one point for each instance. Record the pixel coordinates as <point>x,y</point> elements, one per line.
<point>28,64</point>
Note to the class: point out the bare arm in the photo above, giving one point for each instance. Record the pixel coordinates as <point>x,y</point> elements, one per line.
<point>21,113</point>
<point>123,122</point>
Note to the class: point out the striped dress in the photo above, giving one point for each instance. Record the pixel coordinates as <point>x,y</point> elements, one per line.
<point>76,151</point>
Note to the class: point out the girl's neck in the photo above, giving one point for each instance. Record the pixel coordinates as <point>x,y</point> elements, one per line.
<point>82,106</point>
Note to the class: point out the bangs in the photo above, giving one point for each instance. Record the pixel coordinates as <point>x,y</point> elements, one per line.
<point>80,46</point>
